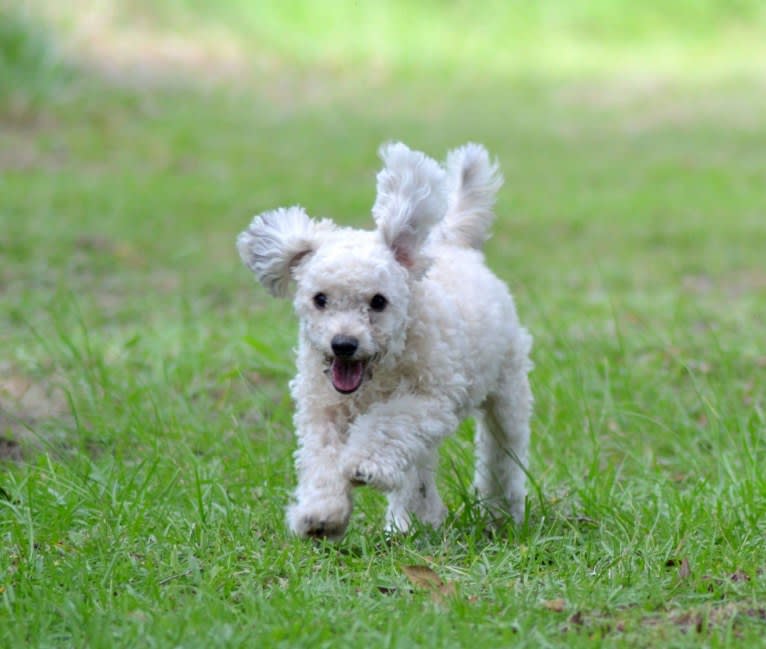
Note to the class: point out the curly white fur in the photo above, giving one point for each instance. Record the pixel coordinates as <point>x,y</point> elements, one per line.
<point>404,332</point>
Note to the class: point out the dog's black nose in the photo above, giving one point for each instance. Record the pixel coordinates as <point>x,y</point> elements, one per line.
<point>344,346</point>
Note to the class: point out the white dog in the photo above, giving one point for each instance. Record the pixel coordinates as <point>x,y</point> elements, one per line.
<point>404,332</point>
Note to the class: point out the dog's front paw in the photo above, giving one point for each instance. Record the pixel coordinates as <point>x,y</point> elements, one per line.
<point>361,477</point>
<point>325,517</point>
<point>367,472</point>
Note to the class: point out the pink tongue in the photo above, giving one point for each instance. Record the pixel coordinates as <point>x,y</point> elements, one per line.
<point>346,375</point>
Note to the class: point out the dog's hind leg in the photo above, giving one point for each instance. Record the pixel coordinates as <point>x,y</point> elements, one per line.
<point>502,442</point>
<point>416,497</point>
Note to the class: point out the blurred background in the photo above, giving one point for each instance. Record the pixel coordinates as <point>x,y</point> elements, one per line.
<point>134,109</point>
<point>138,137</point>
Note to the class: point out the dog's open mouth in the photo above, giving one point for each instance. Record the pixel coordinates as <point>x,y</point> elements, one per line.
<point>346,375</point>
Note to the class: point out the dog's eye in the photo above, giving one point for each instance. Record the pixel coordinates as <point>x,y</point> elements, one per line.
<point>378,302</point>
<point>320,300</point>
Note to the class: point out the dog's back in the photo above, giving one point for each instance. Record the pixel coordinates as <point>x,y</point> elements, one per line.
<point>461,301</point>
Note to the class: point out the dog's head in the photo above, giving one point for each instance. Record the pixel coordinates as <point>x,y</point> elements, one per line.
<point>353,286</point>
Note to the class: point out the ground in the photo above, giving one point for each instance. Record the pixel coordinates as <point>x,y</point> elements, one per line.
<point>144,418</point>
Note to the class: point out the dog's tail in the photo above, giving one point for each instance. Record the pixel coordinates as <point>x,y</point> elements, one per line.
<point>474,181</point>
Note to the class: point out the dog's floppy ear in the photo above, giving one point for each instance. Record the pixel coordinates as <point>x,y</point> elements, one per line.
<point>275,242</point>
<point>411,199</point>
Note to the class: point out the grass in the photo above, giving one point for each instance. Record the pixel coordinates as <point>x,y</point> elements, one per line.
<point>144,417</point>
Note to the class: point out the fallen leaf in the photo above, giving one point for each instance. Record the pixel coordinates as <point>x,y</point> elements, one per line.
<point>557,605</point>
<point>577,619</point>
<point>425,578</point>
<point>684,571</point>
<point>422,576</point>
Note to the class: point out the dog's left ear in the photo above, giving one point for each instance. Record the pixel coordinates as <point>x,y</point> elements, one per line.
<point>411,199</point>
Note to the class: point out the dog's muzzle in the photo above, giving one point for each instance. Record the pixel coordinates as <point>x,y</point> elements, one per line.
<point>346,373</point>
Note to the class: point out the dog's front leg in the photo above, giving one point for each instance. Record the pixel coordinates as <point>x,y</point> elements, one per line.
<point>323,504</point>
<point>392,436</point>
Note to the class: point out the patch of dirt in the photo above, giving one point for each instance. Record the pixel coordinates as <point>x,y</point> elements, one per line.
<point>734,285</point>
<point>647,103</point>
<point>129,53</point>
<point>699,620</point>
<point>20,150</point>
<point>615,94</point>
<point>134,53</point>
<point>24,405</point>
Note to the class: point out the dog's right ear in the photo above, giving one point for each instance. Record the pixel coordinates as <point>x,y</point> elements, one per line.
<point>411,200</point>
<point>275,242</point>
